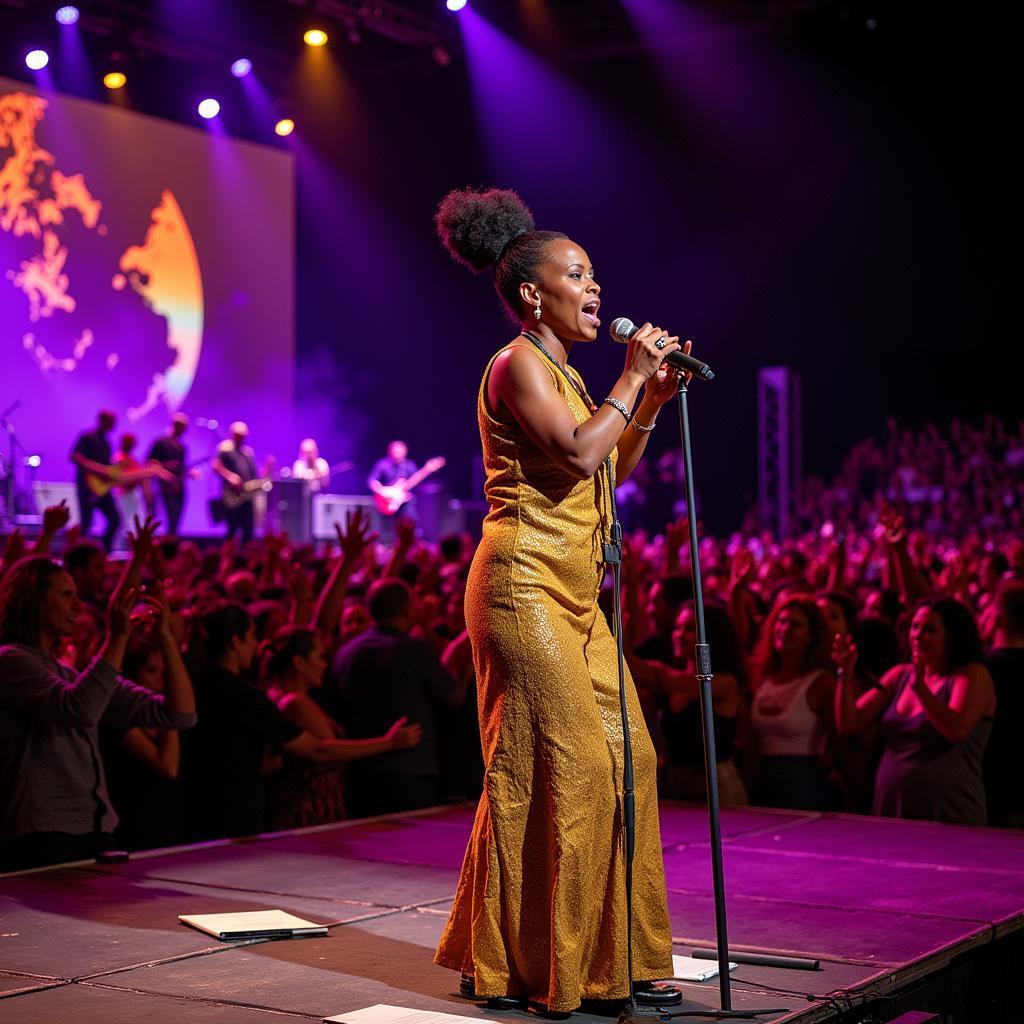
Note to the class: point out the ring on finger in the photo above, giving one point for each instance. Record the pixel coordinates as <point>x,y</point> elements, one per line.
<point>660,343</point>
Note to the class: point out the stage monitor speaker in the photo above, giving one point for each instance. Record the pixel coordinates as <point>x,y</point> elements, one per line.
<point>329,509</point>
<point>46,493</point>
<point>290,504</point>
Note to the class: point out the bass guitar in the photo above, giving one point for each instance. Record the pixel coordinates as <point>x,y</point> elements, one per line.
<point>235,496</point>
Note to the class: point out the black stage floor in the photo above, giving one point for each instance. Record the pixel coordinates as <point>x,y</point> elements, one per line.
<point>890,907</point>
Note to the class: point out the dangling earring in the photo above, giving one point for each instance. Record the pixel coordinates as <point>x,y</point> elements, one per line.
<point>536,310</point>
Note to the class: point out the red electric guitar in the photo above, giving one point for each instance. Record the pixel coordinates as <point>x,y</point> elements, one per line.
<point>390,499</point>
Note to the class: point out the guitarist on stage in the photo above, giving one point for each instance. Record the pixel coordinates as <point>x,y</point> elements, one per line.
<point>235,464</point>
<point>92,456</point>
<point>171,453</point>
<point>392,480</point>
<point>387,472</point>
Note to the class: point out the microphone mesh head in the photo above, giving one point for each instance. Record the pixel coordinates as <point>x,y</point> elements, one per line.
<point>622,327</point>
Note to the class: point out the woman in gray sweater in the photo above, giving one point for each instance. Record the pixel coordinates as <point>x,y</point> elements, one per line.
<point>54,804</point>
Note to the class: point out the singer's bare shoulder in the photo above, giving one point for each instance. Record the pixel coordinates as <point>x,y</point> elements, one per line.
<point>517,369</point>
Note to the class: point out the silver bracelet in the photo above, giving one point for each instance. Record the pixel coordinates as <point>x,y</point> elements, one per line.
<point>620,406</point>
<point>637,425</point>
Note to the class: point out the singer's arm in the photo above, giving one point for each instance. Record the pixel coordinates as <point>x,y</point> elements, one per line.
<point>633,442</point>
<point>520,384</point>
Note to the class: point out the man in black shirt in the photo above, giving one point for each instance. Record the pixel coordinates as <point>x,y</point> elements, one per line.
<point>171,453</point>
<point>235,464</point>
<point>222,760</point>
<point>379,676</point>
<point>93,458</point>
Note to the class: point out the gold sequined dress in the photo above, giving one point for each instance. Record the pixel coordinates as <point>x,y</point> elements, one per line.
<point>540,909</point>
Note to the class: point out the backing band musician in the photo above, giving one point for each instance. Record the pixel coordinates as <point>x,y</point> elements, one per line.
<point>171,453</point>
<point>93,461</point>
<point>235,464</point>
<point>311,466</point>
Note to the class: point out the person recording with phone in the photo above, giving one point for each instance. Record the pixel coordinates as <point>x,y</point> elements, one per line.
<point>540,911</point>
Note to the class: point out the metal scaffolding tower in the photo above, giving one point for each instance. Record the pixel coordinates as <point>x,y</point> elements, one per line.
<point>779,447</point>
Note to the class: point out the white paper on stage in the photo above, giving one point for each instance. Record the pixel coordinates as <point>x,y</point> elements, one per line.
<point>382,1013</point>
<point>689,968</point>
<point>254,924</point>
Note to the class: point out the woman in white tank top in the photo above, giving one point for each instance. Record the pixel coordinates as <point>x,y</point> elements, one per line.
<point>791,716</point>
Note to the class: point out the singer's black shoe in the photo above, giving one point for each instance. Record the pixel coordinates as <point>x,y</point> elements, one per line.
<point>467,989</point>
<point>647,993</point>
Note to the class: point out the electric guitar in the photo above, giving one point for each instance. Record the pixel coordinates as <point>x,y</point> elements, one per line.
<point>235,496</point>
<point>115,476</point>
<point>391,498</point>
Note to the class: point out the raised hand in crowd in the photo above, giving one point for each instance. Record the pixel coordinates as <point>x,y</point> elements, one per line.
<point>55,518</point>
<point>677,537</point>
<point>353,540</point>
<point>405,538</point>
<point>15,548</point>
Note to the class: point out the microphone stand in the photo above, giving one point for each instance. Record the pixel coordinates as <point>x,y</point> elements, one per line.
<point>702,653</point>
<point>10,510</point>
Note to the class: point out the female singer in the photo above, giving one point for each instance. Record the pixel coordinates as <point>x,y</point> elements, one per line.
<point>540,910</point>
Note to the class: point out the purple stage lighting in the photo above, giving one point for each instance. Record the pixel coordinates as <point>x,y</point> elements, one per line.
<point>241,67</point>
<point>36,60</point>
<point>67,15</point>
<point>456,5</point>
<point>208,108</point>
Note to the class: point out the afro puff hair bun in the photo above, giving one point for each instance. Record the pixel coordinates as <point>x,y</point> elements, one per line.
<point>475,226</point>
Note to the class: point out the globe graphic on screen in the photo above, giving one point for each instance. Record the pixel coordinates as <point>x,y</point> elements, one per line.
<point>105,320</point>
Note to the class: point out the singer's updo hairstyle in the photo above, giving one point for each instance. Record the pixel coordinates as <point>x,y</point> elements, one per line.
<point>493,228</point>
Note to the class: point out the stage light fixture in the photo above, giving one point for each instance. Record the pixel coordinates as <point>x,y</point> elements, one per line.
<point>284,127</point>
<point>241,67</point>
<point>36,60</point>
<point>456,5</point>
<point>208,108</point>
<point>114,80</point>
<point>67,15</point>
<point>315,37</point>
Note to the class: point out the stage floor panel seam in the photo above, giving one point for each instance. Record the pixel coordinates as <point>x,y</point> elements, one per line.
<point>201,1000</point>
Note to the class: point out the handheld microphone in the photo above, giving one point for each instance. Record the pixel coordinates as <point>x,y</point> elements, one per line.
<point>623,330</point>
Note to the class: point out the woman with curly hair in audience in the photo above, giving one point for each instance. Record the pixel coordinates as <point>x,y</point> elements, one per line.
<point>936,715</point>
<point>791,715</point>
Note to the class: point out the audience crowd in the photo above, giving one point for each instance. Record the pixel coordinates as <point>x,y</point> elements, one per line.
<point>872,663</point>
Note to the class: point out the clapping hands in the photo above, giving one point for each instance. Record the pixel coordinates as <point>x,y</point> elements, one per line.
<point>894,526</point>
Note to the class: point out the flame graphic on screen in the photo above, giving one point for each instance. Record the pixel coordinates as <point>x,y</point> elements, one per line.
<point>35,199</point>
